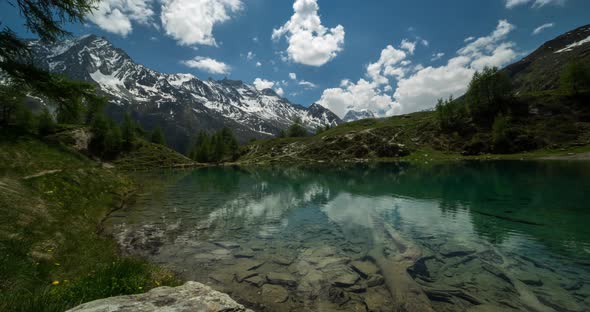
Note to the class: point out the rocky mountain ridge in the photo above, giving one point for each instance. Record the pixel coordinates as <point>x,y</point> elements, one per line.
<point>181,104</point>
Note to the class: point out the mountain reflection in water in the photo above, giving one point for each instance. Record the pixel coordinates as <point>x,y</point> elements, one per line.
<point>498,235</point>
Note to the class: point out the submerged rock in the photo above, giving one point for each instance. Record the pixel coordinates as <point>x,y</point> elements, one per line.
<point>274,293</point>
<point>452,250</point>
<point>255,280</point>
<point>282,260</point>
<point>375,280</point>
<point>281,279</point>
<point>244,253</point>
<point>364,268</point>
<point>191,296</point>
<point>346,280</point>
<point>228,245</point>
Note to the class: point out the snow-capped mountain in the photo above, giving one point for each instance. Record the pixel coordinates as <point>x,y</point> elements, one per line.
<point>181,104</point>
<point>353,115</point>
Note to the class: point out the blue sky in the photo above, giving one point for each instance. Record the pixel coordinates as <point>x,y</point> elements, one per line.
<point>344,54</point>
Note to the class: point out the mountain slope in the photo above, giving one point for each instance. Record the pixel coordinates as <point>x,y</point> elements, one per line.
<point>552,121</point>
<point>181,104</point>
<point>541,69</point>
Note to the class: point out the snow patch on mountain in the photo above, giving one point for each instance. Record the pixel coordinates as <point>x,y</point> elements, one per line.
<point>574,45</point>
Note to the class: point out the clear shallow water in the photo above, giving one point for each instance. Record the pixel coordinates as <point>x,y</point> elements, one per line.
<point>481,236</point>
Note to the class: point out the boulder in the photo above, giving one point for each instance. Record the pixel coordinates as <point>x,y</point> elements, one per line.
<point>191,296</point>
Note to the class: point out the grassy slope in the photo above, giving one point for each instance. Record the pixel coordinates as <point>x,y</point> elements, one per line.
<point>560,124</point>
<point>51,202</point>
<point>150,155</point>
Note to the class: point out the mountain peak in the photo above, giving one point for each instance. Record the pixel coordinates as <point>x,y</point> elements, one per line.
<point>353,115</point>
<point>182,104</point>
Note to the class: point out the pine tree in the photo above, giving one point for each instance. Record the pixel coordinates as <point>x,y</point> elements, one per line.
<point>202,147</point>
<point>575,77</point>
<point>217,147</point>
<point>128,130</point>
<point>45,18</point>
<point>296,129</point>
<point>25,119</point>
<point>46,123</point>
<point>114,139</point>
<point>158,136</point>
<point>100,132</point>
<point>11,97</point>
<point>489,93</point>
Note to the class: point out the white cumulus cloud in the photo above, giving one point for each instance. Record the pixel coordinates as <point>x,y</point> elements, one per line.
<point>117,16</point>
<point>208,64</point>
<point>310,43</point>
<point>410,46</point>
<point>418,87</point>
<point>357,96</point>
<point>421,90</point>
<point>192,21</point>
<point>262,84</point>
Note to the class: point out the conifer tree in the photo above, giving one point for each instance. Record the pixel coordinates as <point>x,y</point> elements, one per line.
<point>46,123</point>
<point>158,136</point>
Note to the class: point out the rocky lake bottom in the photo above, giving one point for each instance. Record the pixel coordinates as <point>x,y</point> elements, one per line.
<point>473,236</point>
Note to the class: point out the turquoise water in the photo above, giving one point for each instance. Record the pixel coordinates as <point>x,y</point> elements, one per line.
<point>481,236</point>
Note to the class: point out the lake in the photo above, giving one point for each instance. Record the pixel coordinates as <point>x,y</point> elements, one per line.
<point>457,236</point>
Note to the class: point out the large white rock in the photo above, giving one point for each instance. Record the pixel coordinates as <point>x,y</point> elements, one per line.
<point>191,296</point>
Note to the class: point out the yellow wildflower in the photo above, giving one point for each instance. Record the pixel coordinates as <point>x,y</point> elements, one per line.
<point>55,283</point>
<point>57,264</point>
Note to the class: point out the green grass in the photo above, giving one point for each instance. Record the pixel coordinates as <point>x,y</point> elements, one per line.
<point>49,229</point>
<point>146,155</point>
<point>561,125</point>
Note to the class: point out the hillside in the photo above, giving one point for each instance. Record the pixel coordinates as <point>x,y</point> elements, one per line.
<point>541,69</point>
<point>52,254</point>
<point>181,104</point>
<point>542,118</point>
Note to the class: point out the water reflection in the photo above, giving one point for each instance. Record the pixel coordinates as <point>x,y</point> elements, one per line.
<point>319,238</point>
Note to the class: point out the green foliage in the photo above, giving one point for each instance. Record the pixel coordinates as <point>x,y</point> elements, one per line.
<point>25,119</point>
<point>128,131</point>
<point>297,130</point>
<point>94,107</point>
<point>575,77</point>
<point>158,136</point>
<point>218,147</point>
<point>11,98</point>
<point>46,124</point>
<point>107,140</point>
<point>282,134</point>
<point>501,138</point>
<point>58,239</point>
<point>319,130</point>
<point>45,17</point>
<point>490,92</point>
<point>452,116</point>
